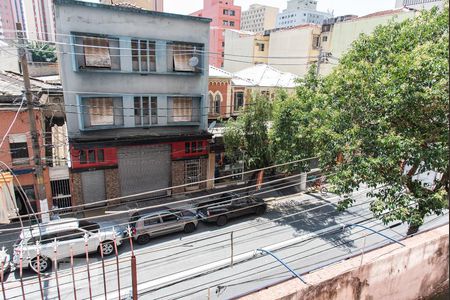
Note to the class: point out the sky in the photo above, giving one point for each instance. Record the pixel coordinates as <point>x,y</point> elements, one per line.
<point>340,7</point>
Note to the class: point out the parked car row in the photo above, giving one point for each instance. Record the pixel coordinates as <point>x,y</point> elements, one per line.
<point>75,237</point>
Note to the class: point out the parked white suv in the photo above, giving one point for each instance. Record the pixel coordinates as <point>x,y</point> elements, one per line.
<point>69,234</point>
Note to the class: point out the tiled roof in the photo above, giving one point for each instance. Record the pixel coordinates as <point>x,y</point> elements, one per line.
<point>11,84</point>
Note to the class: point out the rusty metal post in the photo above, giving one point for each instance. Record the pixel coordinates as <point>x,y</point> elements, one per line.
<point>134,276</point>
<point>38,250</point>
<point>134,284</point>
<point>86,239</point>
<point>55,262</point>
<point>117,265</point>
<point>103,269</point>
<point>2,279</point>
<point>73,274</point>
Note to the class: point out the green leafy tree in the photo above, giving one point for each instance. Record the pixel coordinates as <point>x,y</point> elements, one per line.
<point>297,123</point>
<point>387,120</point>
<point>248,134</point>
<point>42,52</point>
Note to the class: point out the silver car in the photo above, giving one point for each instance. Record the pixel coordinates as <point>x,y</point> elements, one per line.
<point>161,221</point>
<point>69,235</point>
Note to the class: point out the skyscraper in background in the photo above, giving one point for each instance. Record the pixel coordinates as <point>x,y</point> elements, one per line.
<point>11,12</point>
<point>299,12</point>
<point>224,15</point>
<point>157,5</point>
<point>259,18</point>
<point>39,20</point>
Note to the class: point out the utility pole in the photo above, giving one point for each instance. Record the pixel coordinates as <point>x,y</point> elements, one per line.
<point>39,171</point>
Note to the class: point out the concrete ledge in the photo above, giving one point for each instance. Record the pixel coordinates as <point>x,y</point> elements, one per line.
<point>391,272</point>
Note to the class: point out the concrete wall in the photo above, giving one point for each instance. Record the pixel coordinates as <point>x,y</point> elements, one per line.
<point>9,58</point>
<point>419,4</point>
<point>343,34</point>
<point>38,69</point>
<point>128,23</point>
<point>238,44</point>
<point>295,42</point>
<point>346,32</point>
<point>391,272</point>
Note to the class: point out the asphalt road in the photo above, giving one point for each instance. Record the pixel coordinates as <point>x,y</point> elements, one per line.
<point>314,221</point>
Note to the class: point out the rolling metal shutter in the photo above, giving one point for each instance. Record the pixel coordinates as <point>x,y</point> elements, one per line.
<point>144,168</point>
<point>93,183</point>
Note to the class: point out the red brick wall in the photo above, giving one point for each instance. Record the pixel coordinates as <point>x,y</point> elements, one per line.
<point>222,87</point>
<point>22,126</point>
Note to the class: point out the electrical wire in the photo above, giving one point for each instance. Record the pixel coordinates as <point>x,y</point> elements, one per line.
<point>186,207</point>
<point>327,204</point>
<point>182,185</point>
<point>148,49</point>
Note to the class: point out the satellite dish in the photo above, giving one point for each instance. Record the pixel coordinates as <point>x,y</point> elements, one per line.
<point>193,61</point>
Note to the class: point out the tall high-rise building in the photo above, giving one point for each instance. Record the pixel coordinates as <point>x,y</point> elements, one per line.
<point>299,12</point>
<point>39,20</point>
<point>259,18</point>
<point>419,4</point>
<point>11,12</point>
<point>224,15</point>
<point>156,5</point>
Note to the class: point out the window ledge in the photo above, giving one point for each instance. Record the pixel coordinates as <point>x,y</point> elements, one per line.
<point>138,73</point>
<point>183,123</point>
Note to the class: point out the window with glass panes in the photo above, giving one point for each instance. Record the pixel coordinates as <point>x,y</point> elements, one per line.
<point>143,55</point>
<point>145,110</point>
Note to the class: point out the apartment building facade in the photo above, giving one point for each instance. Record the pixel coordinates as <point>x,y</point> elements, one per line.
<point>338,33</point>
<point>11,12</point>
<point>135,97</point>
<point>299,12</point>
<point>259,18</point>
<point>244,49</point>
<point>156,5</point>
<point>224,15</point>
<point>39,20</point>
<point>16,150</point>
<point>419,4</point>
<point>291,50</point>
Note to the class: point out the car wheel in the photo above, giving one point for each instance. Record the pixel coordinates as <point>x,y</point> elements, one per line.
<point>143,239</point>
<point>260,210</point>
<point>221,220</point>
<point>107,248</point>
<point>44,264</point>
<point>189,227</point>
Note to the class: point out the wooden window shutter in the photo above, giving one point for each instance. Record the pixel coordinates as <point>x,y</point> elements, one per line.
<point>96,52</point>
